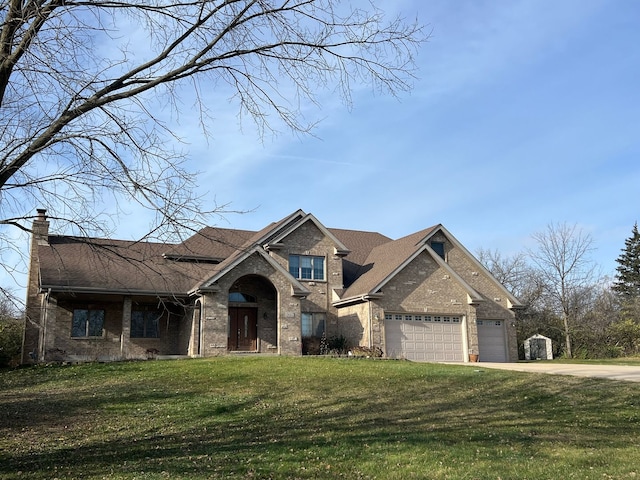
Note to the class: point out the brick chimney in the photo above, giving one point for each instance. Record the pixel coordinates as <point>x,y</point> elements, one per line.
<point>40,228</point>
<point>34,328</point>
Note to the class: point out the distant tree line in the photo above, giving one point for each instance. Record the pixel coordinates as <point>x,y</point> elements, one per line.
<point>586,314</point>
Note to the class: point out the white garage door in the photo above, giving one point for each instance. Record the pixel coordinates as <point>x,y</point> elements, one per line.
<point>424,337</point>
<point>491,341</point>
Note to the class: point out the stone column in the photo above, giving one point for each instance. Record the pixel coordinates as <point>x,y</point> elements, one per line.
<point>472,330</point>
<point>289,326</point>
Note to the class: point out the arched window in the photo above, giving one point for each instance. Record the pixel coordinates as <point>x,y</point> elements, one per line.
<point>239,297</point>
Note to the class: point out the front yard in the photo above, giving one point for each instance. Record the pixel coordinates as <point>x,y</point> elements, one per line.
<point>276,417</point>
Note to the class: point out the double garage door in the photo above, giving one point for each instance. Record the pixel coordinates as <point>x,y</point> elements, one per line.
<point>424,338</point>
<point>439,338</point>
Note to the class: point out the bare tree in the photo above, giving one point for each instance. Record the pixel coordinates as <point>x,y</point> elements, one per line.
<point>78,80</point>
<point>11,328</point>
<point>564,266</point>
<point>511,271</point>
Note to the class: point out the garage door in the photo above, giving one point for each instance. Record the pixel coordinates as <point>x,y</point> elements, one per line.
<point>491,341</point>
<point>424,337</point>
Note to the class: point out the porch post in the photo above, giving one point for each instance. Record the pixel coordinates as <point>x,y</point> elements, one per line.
<point>126,327</point>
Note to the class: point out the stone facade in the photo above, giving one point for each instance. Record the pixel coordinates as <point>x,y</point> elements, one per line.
<point>405,276</point>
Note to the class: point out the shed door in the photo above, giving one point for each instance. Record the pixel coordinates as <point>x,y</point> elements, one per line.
<point>430,341</point>
<point>491,341</point>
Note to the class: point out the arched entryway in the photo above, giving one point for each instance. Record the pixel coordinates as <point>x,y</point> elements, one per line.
<point>253,324</point>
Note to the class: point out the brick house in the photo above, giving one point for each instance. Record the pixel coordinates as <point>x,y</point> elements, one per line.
<point>279,290</point>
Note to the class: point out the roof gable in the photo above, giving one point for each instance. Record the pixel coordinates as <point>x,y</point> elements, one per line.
<point>298,289</point>
<point>275,241</point>
<point>384,261</point>
<point>513,301</point>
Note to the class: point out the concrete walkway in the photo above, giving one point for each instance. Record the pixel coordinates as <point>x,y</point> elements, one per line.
<point>613,372</point>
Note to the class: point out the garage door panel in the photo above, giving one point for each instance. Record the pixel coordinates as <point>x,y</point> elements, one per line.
<point>491,341</point>
<point>423,341</point>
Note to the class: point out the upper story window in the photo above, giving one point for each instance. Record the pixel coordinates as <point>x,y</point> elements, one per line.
<point>87,323</point>
<point>145,323</point>
<point>438,247</point>
<point>306,267</point>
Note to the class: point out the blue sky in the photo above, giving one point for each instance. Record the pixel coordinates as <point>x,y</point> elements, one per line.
<point>525,112</point>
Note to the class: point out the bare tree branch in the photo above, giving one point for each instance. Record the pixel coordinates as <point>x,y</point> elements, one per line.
<point>78,80</point>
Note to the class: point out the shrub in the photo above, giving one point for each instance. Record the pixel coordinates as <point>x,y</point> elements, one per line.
<point>338,345</point>
<point>625,334</point>
<point>10,341</point>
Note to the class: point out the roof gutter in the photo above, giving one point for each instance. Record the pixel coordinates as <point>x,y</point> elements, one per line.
<point>111,291</point>
<point>353,300</point>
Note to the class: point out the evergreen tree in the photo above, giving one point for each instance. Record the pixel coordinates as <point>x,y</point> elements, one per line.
<point>627,280</point>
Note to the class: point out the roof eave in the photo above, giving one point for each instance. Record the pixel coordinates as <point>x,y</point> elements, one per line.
<point>109,291</point>
<point>357,299</point>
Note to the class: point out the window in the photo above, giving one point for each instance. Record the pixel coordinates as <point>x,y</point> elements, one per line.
<point>438,247</point>
<point>144,324</point>
<point>239,297</point>
<point>304,267</point>
<point>313,325</point>
<point>427,318</point>
<point>87,323</point>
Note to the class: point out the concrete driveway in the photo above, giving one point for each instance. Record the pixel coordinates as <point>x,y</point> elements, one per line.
<point>613,372</point>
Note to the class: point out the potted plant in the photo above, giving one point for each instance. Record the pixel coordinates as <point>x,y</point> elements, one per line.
<point>473,355</point>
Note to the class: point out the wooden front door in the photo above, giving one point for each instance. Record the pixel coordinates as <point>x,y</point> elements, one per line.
<point>243,329</point>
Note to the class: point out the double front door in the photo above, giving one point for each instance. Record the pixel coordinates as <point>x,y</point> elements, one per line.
<point>243,329</point>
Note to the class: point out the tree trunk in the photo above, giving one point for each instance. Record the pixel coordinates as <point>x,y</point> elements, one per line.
<point>567,337</point>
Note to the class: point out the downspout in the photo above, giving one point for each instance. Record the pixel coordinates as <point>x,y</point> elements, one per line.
<point>370,323</point>
<point>201,311</point>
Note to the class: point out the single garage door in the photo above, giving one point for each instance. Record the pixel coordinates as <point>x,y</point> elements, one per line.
<point>424,337</point>
<point>491,341</point>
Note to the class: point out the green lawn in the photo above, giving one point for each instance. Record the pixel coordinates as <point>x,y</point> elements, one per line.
<point>275,417</point>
